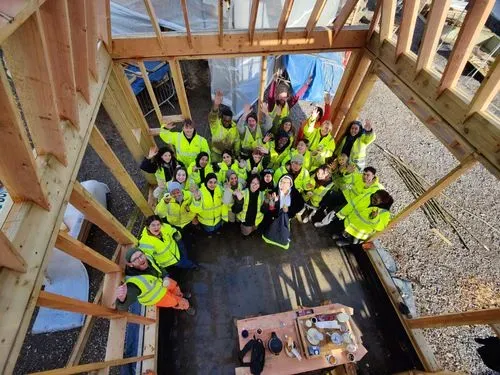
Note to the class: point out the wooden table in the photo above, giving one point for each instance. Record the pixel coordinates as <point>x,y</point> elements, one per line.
<point>285,324</point>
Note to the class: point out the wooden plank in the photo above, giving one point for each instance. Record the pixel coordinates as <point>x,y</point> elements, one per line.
<point>19,292</point>
<point>352,63</point>
<point>104,23</point>
<point>175,70</point>
<point>236,43</point>
<point>253,20</point>
<point>430,193</point>
<point>285,15</point>
<point>388,12</point>
<point>18,171</point>
<point>94,366</point>
<point>407,28</point>
<point>454,142</point>
<point>54,18</point>
<point>472,317</point>
<point>16,13</point>
<point>27,61</point>
<point>319,5</point>
<point>416,336</point>
<point>432,34</point>
<point>262,86</point>
<point>79,250</point>
<point>473,24</point>
<point>151,92</point>
<point>92,38</point>
<point>154,21</point>
<point>375,20</point>
<point>343,15</point>
<point>221,22</point>
<point>150,339</point>
<point>186,22</point>
<point>116,342</point>
<point>487,91</point>
<point>9,256</point>
<point>79,41</point>
<point>100,216</point>
<point>58,302</point>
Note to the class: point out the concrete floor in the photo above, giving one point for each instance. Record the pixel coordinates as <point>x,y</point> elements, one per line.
<point>245,277</point>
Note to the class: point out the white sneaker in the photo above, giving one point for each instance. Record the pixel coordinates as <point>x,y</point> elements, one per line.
<point>326,220</point>
<point>309,217</point>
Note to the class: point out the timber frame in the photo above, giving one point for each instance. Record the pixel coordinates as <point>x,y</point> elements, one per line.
<point>63,64</point>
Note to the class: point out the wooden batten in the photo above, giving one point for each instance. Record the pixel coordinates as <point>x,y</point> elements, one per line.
<point>28,63</point>
<point>175,70</point>
<point>80,251</point>
<point>104,23</point>
<point>407,28</point>
<point>285,15</point>
<point>150,90</point>
<point>9,256</point>
<point>154,21</point>
<point>92,36</point>
<point>151,338</point>
<point>473,24</point>
<point>103,149</point>
<point>388,11</point>
<point>18,170</point>
<point>253,19</point>
<point>375,20</point>
<point>487,91</point>
<point>314,17</point>
<point>220,13</point>
<point>100,216</point>
<point>58,302</point>
<point>78,22</point>
<point>473,317</point>
<point>186,22</point>
<point>432,33</point>
<point>262,86</point>
<point>116,342</point>
<point>236,43</point>
<point>54,19</point>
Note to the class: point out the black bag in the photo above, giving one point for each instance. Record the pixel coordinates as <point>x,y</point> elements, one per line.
<point>278,233</point>
<point>257,357</point>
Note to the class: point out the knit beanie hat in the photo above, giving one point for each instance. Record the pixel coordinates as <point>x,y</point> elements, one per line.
<point>297,159</point>
<point>174,185</point>
<point>130,252</point>
<point>229,173</point>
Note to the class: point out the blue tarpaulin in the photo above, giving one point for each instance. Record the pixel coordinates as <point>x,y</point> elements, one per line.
<point>156,72</point>
<point>326,69</point>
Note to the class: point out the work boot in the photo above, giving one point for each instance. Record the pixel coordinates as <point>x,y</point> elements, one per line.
<point>191,311</point>
<point>342,243</point>
<point>309,217</point>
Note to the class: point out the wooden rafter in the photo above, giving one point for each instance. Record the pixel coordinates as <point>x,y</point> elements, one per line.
<point>487,91</point>
<point>472,26</point>
<point>54,18</point>
<point>432,33</point>
<point>97,214</point>
<point>175,70</point>
<point>486,316</point>
<point>387,20</point>
<point>253,20</point>
<point>343,15</point>
<point>28,62</point>
<point>91,18</point>
<point>236,43</point>
<point>9,256</point>
<point>407,28</point>
<point>154,22</point>
<point>186,22</point>
<point>432,192</point>
<point>16,13</point>
<point>375,20</point>
<point>262,86</point>
<point>353,60</point>
<point>314,17</point>
<point>285,14</point>
<point>221,22</point>
<point>150,90</point>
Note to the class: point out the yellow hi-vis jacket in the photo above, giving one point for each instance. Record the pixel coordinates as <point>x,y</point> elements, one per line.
<point>302,182</point>
<point>246,199</point>
<point>307,159</point>
<point>358,150</point>
<point>195,176</point>
<point>249,142</point>
<point>323,146</point>
<point>221,175</point>
<point>277,159</point>
<point>178,215</point>
<point>362,221</point>
<point>166,252</point>
<point>209,208</point>
<point>151,287</point>
<point>223,138</point>
<point>354,187</point>
<point>285,111</point>
<point>318,193</point>
<point>186,151</point>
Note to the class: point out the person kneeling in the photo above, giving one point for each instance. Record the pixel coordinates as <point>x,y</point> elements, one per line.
<point>357,222</point>
<point>148,284</point>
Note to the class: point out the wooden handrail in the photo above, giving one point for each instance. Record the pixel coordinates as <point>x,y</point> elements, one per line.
<point>486,316</point>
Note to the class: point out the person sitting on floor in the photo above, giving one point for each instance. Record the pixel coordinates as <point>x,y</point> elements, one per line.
<point>162,163</point>
<point>164,244</point>
<point>148,284</point>
<point>198,169</point>
<point>362,218</point>
<point>356,141</point>
<point>208,204</point>
<point>248,206</point>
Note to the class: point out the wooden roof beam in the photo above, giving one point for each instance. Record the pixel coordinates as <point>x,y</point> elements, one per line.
<point>407,28</point>
<point>285,15</point>
<point>154,21</point>
<point>473,24</point>
<point>16,13</point>
<point>253,20</point>
<point>186,22</point>
<point>314,17</point>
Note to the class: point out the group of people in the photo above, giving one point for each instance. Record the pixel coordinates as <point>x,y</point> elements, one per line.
<point>252,173</point>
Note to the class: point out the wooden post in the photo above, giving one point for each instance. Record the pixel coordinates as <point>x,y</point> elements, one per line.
<point>262,86</point>
<point>407,28</point>
<point>9,256</point>
<point>154,21</point>
<point>102,148</point>
<point>151,92</point>
<point>54,19</point>
<point>432,33</point>
<point>18,170</point>
<point>221,22</point>
<point>387,20</point>
<point>186,21</point>
<point>116,342</point>
<point>473,24</point>
<point>58,302</point>
<point>175,69</point>
<point>253,20</point>
<point>314,17</point>
<point>473,317</point>
<point>285,14</point>
<point>150,342</point>
<point>97,214</point>
<point>487,91</point>
<point>80,251</point>
<point>433,191</point>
